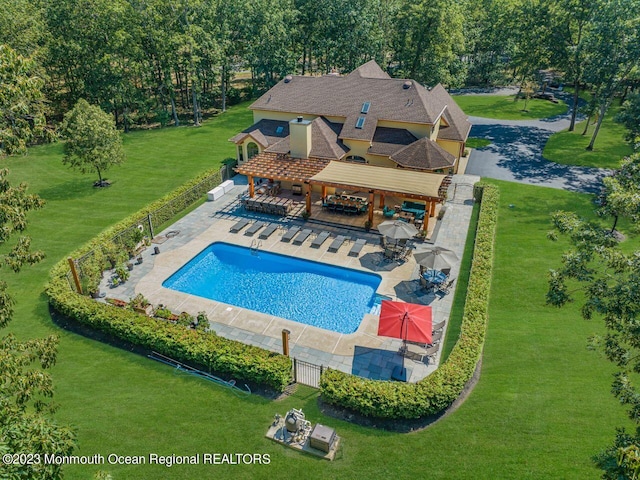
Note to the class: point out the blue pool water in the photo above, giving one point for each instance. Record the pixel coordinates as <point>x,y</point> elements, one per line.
<point>313,293</point>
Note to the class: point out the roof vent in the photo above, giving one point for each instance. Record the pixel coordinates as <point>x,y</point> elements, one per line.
<point>299,119</point>
<point>407,85</point>
<point>288,78</point>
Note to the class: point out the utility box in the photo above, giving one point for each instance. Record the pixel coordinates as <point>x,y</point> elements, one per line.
<point>322,438</point>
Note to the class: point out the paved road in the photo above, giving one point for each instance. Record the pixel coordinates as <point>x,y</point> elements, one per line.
<point>515,154</point>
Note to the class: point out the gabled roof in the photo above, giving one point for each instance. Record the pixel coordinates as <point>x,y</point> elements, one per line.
<point>391,99</point>
<point>265,132</point>
<point>370,70</point>
<point>458,124</point>
<point>423,154</point>
<point>324,141</point>
<point>364,132</point>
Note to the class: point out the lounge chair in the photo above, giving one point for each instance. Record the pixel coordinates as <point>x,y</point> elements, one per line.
<point>357,247</point>
<point>266,233</point>
<point>289,234</point>
<point>239,225</point>
<point>254,228</point>
<point>445,287</point>
<point>302,236</point>
<point>320,239</point>
<point>419,353</point>
<point>438,326</point>
<point>436,337</point>
<point>337,243</point>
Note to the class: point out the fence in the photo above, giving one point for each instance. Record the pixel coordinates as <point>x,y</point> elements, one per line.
<point>128,239</point>
<point>307,373</point>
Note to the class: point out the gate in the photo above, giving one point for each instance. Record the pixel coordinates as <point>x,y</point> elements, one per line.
<point>307,373</point>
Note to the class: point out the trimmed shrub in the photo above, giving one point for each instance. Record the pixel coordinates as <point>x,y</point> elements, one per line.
<point>204,348</point>
<point>433,394</point>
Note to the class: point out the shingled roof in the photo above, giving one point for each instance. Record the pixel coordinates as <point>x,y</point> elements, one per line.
<point>391,99</point>
<point>423,154</point>
<point>387,141</point>
<point>265,132</point>
<point>324,141</point>
<point>458,125</point>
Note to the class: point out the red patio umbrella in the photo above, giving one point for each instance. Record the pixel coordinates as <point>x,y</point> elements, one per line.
<point>406,321</point>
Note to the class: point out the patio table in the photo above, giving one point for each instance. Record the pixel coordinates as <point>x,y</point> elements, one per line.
<point>434,276</point>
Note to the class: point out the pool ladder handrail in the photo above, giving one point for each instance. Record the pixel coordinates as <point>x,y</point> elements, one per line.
<point>255,246</point>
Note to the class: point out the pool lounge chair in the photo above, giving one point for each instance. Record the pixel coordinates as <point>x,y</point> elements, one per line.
<point>289,234</point>
<point>320,239</point>
<point>254,228</point>
<point>239,225</point>
<point>337,243</point>
<point>438,326</point>
<point>419,353</point>
<point>357,247</point>
<point>302,236</point>
<point>266,233</point>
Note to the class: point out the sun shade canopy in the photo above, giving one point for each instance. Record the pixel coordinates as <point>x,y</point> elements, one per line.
<point>380,179</point>
<point>406,321</point>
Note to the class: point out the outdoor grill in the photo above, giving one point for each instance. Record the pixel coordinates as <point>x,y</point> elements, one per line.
<point>322,438</point>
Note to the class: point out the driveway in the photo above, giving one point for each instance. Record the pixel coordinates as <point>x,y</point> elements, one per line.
<point>515,154</point>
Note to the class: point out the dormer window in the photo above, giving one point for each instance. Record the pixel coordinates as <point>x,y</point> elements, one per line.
<point>360,122</point>
<point>365,107</point>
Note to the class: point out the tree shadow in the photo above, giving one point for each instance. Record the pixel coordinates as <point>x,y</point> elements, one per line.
<point>72,189</point>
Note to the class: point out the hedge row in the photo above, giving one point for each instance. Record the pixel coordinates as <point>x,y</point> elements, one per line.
<point>433,394</point>
<point>216,354</point>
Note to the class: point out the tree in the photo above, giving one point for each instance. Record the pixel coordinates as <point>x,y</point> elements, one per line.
<point>25,406</point>
<point>93,143</point>
<point>629,116</point>
<point>22,117</point>
<point>621,196</point>
<point>614,51</point>
<point>610,282</point>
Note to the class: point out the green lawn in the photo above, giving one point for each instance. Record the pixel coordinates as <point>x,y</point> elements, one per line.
<point>569,148</point>
<point>505,108</point>
<point>541,409</point>
<point>477,142</point>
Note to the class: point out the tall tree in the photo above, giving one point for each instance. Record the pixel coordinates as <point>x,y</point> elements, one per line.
<point>26,425</point>
<point>629,116</point>
<point>429,42</point>
<point>609,282</point>
<point>22,118</point>
<point>573,20</point>
<point>92,141</point>
<point>614,51</point>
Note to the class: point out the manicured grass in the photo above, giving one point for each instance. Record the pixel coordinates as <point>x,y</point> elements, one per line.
<point>569,148</point>
<point>541,409</point>
<point>505,108</point>
<point>477,142</point>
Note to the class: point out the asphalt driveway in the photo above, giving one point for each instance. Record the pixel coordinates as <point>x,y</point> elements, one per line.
<point>515,154</point>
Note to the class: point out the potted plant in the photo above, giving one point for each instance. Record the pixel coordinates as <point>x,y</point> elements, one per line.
<point>367,225</point>
<point>141,305</point>
<point>305,215</point>
<point>122,272</point>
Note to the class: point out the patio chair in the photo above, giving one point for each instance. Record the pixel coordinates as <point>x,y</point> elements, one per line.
<point>302,236</point>
<point>320,239</point>
<point>239,225</point>
<point>436,337</point>
<point>357,247</point>
<point>388,212</point>
<point>289,234</point>
<point>446,271</point>
<point>445,287</point>
<point>254,228</point>
<point>438,326</point>
<point>337,243</point>
<point>419,353</point>
<point>266,233</point>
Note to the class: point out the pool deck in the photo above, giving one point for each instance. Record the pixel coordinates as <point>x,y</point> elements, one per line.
<point>363,352</point>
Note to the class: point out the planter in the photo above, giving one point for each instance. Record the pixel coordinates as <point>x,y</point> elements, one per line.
<point>130,266</point>
<point>148,310</point>
<point>139,259</point>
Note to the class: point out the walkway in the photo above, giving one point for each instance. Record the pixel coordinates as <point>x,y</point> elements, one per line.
<point>515,154</point>
<point>362,353</point>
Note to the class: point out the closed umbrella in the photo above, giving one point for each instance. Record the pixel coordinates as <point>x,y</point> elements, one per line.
<point>397,229</point>
<point>435,258</point>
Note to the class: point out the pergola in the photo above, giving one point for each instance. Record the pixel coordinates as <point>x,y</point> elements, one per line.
<point>382,181</point>
<point>348,176</point>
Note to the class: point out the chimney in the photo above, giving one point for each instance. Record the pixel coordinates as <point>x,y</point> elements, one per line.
<point>300,137</point>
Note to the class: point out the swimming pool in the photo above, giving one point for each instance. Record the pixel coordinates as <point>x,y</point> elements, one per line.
<point>313,293</point>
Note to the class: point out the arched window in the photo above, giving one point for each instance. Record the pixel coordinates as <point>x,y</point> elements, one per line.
<point>356,159</point>
<point>252,150</point>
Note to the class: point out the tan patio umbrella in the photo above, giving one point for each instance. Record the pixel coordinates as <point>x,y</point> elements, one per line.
<point>435,258</point>
<point>397,229</point>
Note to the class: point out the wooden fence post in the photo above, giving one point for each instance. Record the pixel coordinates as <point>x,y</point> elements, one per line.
<point>74,272</point>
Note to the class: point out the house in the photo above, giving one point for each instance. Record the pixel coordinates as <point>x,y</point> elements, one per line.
<point>364,117</point>
<point>364,132</point>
